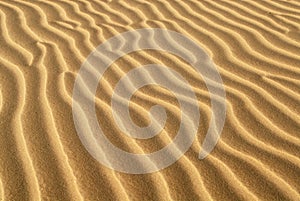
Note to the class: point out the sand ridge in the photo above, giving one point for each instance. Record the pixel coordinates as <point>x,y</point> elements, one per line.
<point>255,46</point>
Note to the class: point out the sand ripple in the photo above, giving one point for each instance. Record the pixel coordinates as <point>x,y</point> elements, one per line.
<point>254,44</point>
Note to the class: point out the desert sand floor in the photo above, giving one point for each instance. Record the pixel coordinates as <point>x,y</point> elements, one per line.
<point>256,48</point>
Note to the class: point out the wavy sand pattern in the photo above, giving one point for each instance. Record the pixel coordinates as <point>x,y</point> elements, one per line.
<point>254,44</point>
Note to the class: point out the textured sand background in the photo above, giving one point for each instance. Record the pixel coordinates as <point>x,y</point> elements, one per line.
<point>254,44</point>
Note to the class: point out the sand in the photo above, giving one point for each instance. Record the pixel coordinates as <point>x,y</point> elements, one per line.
<point>255,46</point>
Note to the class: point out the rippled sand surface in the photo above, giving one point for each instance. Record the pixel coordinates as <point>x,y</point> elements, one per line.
<point>254,44</point>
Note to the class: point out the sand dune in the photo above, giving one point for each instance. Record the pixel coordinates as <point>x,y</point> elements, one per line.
<point>254,44</point>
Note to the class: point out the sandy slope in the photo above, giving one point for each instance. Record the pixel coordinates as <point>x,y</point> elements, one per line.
<point>256,47</point>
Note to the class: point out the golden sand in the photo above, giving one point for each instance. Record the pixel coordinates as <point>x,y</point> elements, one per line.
<point>256,48</point>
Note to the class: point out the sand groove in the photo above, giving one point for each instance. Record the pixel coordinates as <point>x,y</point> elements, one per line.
<point>15,134</point>
<point>255,45</point>
<point>1,101</point>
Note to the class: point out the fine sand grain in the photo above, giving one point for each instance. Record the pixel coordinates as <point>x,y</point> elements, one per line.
<point>254,44</point>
